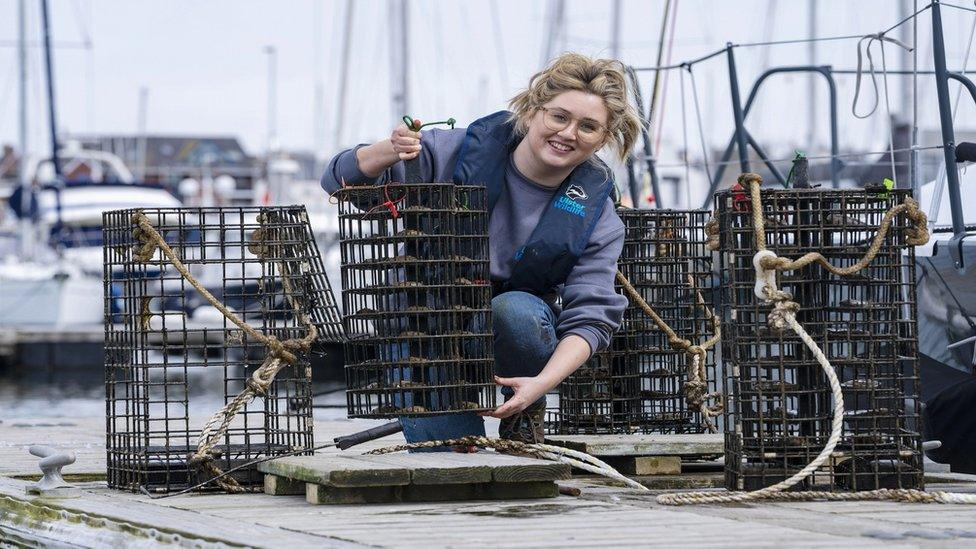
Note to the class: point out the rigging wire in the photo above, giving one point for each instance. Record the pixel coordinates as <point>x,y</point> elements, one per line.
<point>655,91</point>
<point>721,51</point>
<point>664,89</point>
<point>814,157</point>
<point>684,136</point>
<point>797,41</point>
<point>701,127</point>
<point>891,122</point>
<point>913,169</point>
<point>957,7</point>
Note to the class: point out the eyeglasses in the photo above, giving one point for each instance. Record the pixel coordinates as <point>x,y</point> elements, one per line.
<point>587,130</point>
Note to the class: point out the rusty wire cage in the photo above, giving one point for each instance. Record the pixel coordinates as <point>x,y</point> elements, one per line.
<point>173,359</point>
<point>417,299</point>
<point>781,411</point>
<point>636,384</point>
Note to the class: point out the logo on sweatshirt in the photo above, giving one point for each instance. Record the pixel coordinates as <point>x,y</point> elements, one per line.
<point>575,192</point>
<point>565,204</point>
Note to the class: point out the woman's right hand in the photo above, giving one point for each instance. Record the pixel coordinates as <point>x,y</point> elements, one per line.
<point>406,142</point>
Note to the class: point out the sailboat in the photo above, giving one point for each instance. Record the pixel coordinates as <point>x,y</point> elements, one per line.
<point>52,305</point>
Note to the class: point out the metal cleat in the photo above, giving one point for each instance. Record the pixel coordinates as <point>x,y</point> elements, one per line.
<point>52,484</point>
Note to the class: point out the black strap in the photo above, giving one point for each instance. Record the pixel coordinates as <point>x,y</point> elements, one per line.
<point>412,168</point>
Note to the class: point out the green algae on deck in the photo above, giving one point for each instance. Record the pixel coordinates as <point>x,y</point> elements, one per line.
<point>68,477</point>
<point>42,521</point>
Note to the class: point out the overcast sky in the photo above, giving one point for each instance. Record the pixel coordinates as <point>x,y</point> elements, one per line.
<point>205,69</point>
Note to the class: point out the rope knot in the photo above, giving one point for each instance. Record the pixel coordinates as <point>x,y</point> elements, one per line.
<point>711,234</point>
<point>257,245</point>
<point>783,309</point>
<point>748,179</point>
<point>275,346</point>
<point>200,458</point>
<point>918,233</point>
<point>145,247</point>
<point>694,392</point>
<point>696,352</point>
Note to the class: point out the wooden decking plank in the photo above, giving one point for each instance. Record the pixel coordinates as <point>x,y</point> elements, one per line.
<point>436,467</point>
<point>318,494</point>
<point>141,517</point>
<point>283,486</point>
<point>645,465</point>
<point>642,445</point>
<point>336,470</point>
<point>507,468</point>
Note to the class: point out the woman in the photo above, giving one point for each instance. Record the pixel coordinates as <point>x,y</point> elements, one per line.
<point>554,235</point>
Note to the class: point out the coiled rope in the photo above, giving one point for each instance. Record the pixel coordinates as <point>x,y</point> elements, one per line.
<point>783,316</point>
<point>580,460</point>
<point>280,353</point>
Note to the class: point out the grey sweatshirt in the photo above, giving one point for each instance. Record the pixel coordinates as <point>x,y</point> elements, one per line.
<point>591,308</point>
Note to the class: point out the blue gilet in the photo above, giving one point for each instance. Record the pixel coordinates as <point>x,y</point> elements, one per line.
<point>564,229</point>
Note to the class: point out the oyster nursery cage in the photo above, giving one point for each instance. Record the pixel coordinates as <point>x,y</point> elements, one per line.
<point>636,384</point>
<point>173,359</point>
<point>780,415</point>
<point>416,298</point>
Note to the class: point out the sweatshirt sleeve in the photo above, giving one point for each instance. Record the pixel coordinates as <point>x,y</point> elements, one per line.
<point>438,154</point>
<point>592,308</point>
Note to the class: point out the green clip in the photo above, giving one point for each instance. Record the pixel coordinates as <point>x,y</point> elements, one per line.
<point>410,123</point>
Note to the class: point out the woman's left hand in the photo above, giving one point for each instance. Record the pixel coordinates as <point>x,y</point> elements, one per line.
<point>527,391</point>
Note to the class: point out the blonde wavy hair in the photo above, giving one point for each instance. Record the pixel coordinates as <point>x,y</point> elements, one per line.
<point>604,78</point>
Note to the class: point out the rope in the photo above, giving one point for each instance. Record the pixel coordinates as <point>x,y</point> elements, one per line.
<point>781,317</point>
<point>871,38</point>
<point>280,353</point>
<point>695,389</point>
<point>580,460</point>
<point>915,235</point>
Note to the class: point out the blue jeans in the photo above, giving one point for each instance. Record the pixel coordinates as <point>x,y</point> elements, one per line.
<point>524,337</point>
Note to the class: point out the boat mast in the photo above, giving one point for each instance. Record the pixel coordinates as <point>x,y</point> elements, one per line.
<point>49,69</point>
<point>399,58</point>
<point>26,196</point>
<point>318,116</point>
<point>615,30</point>
<point>347,33</point>
<point>141,123</point>
<point>812,84</point>
<point>555,22</point>
<point>272,53</point>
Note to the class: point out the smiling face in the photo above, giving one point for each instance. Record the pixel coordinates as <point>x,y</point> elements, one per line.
<point>563,149</point>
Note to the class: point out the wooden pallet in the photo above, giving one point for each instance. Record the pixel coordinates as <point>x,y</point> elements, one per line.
<point>434,476</point>
<point>641,454</point>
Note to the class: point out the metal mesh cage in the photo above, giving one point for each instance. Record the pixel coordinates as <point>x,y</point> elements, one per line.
<point>169,352</point>
<point>417,299</point>
<point>636,384</point>
<point>865,323</point>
